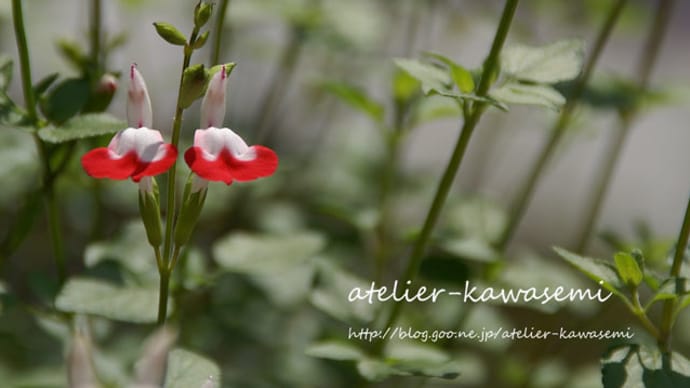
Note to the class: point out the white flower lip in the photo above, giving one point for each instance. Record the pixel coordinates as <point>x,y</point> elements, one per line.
<point>213,140</point>
<point>147,143</point>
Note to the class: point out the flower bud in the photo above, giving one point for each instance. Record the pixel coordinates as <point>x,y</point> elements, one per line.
<point>192,203</point>
<point>138,102</point>
<point>202,12</point>
<point>80,371</point>
<point>170,34</point>
<point>150,369</point>
<point>213,104</point>
<point>149,208</point>
<point>200,41</point>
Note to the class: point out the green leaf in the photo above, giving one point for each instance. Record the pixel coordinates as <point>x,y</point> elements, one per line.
<point>74,54</point>
<point>460,76</point>
<point>189,370</point>
<point>636,366</point>
<point>668,288</point>
<point>527,94</point>
<point>259,254</point>
<point>599,271</point>
<point>434,108</point>
<point>356,98</point>
<point>170,33</point>
<point>82,127</point>
<point>404,85</point>
<point>5,72</point>
<point>335,350</point>
<point>628,269</point>
<point>407,358</point>
<point>471,248</point>
<point>23,223</point>
<point>65,100</point>
<point>332,286</point>
<point>41,86</point>
<point>96,297</point>
<point>431,77</point>
<point>559,61</point>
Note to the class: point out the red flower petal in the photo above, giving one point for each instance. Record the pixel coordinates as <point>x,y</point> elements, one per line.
<point>99,164</point>
<point>227,168</point>
<point>158,166</point>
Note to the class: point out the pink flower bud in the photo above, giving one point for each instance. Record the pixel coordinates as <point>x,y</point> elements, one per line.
<point>138,101</point>
<point>213,104</point>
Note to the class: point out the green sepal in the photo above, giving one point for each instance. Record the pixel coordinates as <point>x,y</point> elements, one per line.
<point>170,34</point>
<point>192,203</point>
<point>194,80</point>
<point>202,13</point>
<point>149,208</point>
<point>200,41</point>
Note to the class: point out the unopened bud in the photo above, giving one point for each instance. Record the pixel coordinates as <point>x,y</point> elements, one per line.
<point>150,369</point>
<point>193,81</point>
<point>192,203</point>
<point>202,13</point>
<point>149,208</point>
<point>170,34</point>
<point>213,104</point>
<point>138,102</point>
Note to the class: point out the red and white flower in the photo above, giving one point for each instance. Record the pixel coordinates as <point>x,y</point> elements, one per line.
<point>219,154</point>
<point>137,151</point>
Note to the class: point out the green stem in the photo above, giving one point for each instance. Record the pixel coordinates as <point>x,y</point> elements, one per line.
<point>177,125</point>
<point>218,32</point>
<point>95,34</point>
<point>166,263</point>
<point>280,80</point>
<point>47,183</point>
<point>456,158</point>
<point>670,305</point>
<point>647,60</point>
<point>55,233</point>
<point>22,48</point>
<point>527,189</point>
<point>164,289</point>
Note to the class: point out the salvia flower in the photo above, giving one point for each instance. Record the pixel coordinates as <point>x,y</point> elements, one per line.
<point>219,154</point>
<point>135,152</point>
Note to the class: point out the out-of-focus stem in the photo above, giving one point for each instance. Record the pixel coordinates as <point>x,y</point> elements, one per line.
<point>527,190</point>
<point>218,32</point>
<point>456,158</point>
<point>650,53</point>
<point>52,211</point>
<point>95,33</point>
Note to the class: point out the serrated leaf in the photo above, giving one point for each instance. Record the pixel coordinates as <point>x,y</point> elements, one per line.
<point>82,127</point>
<point>96,297</point>
<point>260,254</point>
<point>65,100</point>
<point>668,288</point>
<point>559,61</point>
<point>356,98</point>
<point>431,77</point>
<point>189,370</point>
<point>601,272</point>
<point>528,94</point>
<point>628,269</point>
<point>335,350</point>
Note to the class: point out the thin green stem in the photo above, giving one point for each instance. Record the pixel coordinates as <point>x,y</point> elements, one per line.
<point>647,60</point>
<point>641,314</point>
<point>218,32</point>
<point>95,34</point>
<point>453,166</point>
<point>177,125</point>
<point>280,80</point>
<point>527,190</point>
<point>56,234</point>
<point>24,63</point>
<point>164,289</point>
<point>670,305</point>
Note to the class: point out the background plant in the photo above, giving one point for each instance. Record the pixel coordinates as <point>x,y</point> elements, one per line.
<point>352,191</point>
